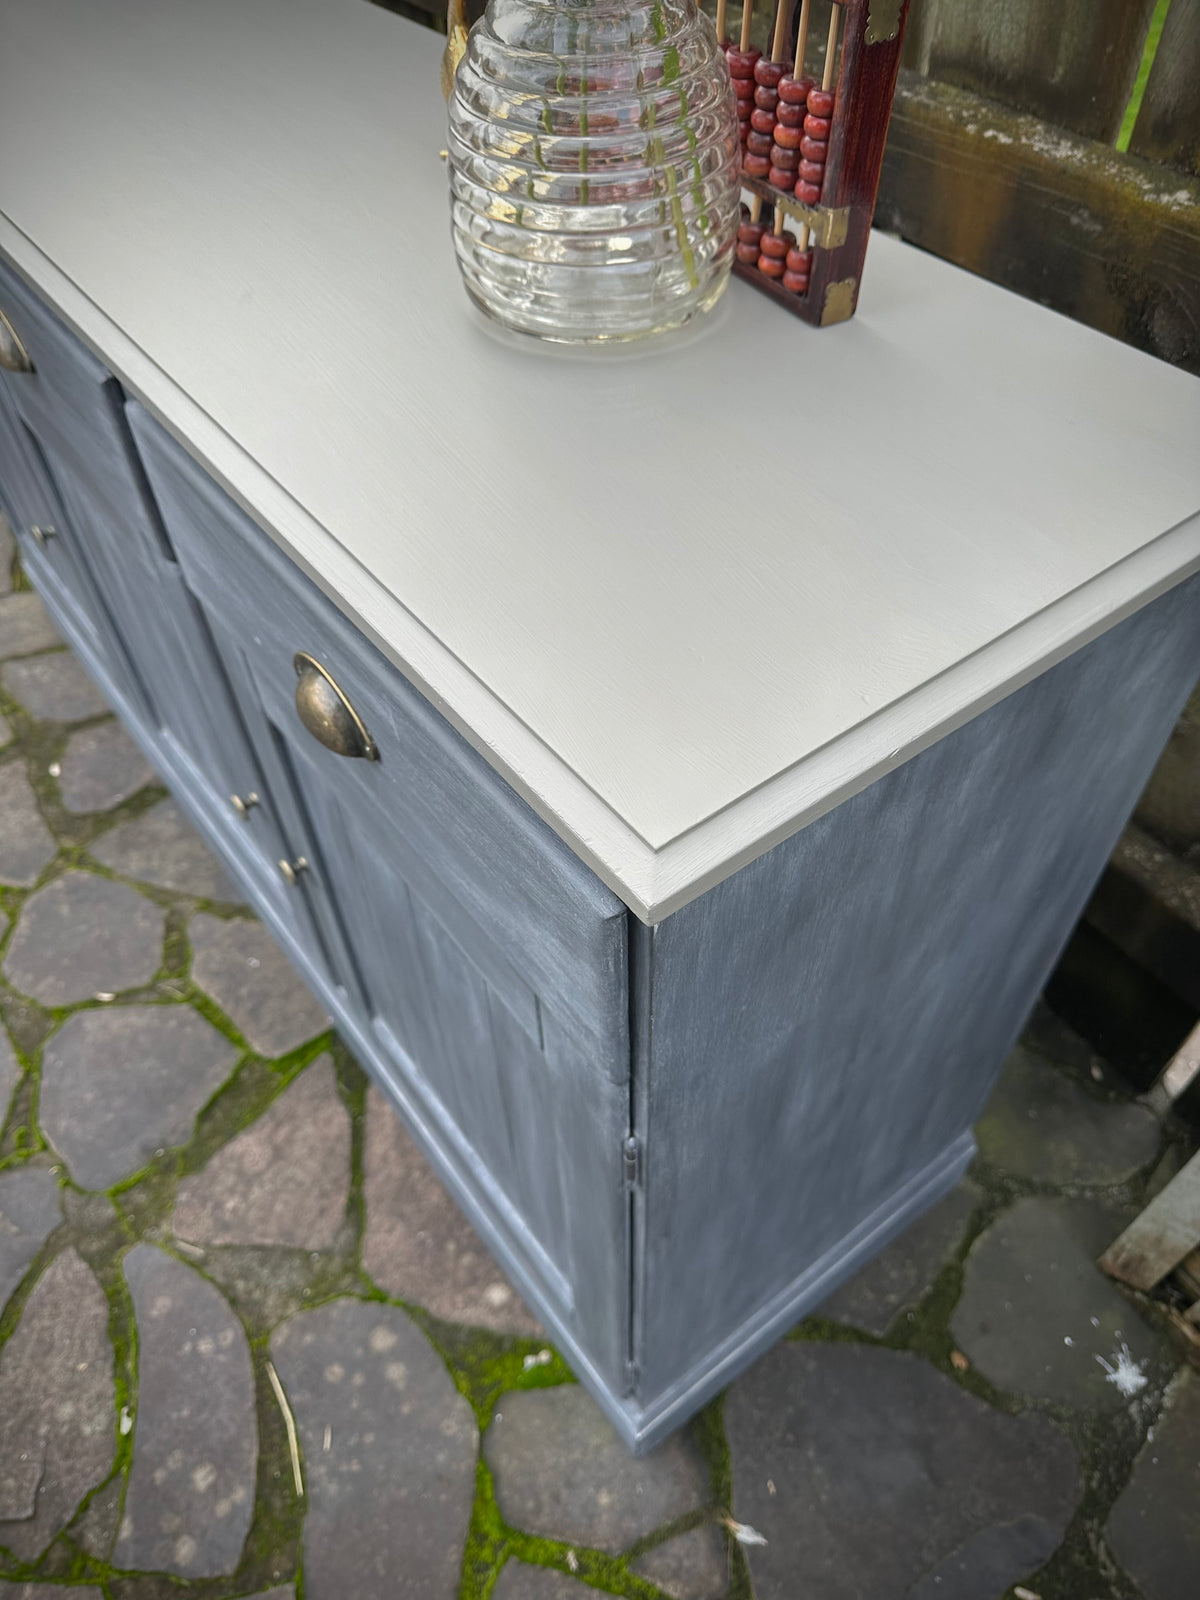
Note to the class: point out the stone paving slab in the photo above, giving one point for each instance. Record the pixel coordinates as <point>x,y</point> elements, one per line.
<point>389,1451</point>
<point>25,625</point>
<point>561,1472</point>
<point>195,1446</point>
<point>10,1071</point>
<point>101,767</point>
<point>240,965</point>
<point>1036,1312</point>
<point>53,687</point>
<point>122,1083</point>
<point>418,1245</point>
<point>82,935</point>
<point>161,847</point>
<point>29,1212</point>
<point>693,1566</point>
<point>519,1581</point>
<point>870,1473</point>
<point>282,1181</point>
<point>40,1591</point>
<point>1041,1125</point>
<point>56,1403</point>
<point>902,1272</point>
<point>26,843</point>
<point>1154,1528</point>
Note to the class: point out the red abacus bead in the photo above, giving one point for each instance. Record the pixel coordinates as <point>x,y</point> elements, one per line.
<point>797,260</point>
<point>795,91</point>
<point>762,121</point>
<point>789,160</point>
<point>812,171</point>
<point>808,194</point>
<point>789,116</point>
<point>756,166</point>
<point>817,127</point>
<point>797,282</point>
<point>766,99</point>
<point>751,233</point>
<point>781,178</point>
<point>742,62</point>
<point>748,253</point>
<point>768,72</point>
<point>777,244</point>
<point>771,266</point>
<point>787,138</point>
<point>820,102</point>
<point>813,149</point>
<point>745,92</point>
<point>744,126</point>
<point>759,144</point>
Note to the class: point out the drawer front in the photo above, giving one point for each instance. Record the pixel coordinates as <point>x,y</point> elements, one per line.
<point>465,843</point>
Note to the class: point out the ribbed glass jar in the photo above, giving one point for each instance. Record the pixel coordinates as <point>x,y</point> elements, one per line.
<point>593,166</point>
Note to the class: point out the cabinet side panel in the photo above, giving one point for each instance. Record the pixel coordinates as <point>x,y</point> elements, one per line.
<point>827,1023</point>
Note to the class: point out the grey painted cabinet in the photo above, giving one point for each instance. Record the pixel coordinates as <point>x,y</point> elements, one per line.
<point>677,1137</point>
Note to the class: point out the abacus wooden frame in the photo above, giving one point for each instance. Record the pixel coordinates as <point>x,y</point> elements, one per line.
<point>841,224</point>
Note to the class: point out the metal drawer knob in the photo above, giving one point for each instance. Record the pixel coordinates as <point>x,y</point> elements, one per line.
<point>243,806</point>
<point>292,869</point>
<point>326,712</point>
<point>13,355</point>
<point>41,536</point>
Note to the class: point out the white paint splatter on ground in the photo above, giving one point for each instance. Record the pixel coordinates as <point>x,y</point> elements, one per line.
<point>1123,1372</point>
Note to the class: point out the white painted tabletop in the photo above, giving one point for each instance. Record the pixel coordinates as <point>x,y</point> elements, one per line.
<point>684,600</point>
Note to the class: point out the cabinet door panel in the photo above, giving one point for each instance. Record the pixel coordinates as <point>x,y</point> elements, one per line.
<point>512,1086</point>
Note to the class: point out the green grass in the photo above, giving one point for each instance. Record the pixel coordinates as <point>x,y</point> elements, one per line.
<point>1149,51</point>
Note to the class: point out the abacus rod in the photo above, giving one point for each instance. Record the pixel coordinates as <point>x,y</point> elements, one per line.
<point>802,38</point>
<point>747,18</point>
<point>721,35</point>
<point>831,47</point>
<point>782,13</point>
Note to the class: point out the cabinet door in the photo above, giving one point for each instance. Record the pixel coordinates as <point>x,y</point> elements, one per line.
<point>75,494</point>
<point>511,1083</point>
<point>482,966</point>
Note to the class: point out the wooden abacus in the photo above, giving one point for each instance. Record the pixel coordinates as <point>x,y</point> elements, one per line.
<point>818,162</point>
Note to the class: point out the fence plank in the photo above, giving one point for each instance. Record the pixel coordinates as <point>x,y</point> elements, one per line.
<point>1105,238</point>
<point>1168,125</point>
<point>1072,62</point>
<point>1160,1237</point>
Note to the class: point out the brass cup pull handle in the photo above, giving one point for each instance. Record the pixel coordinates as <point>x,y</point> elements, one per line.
<point>13,355</point>
<point>291,870</point>
<point>327,714</point>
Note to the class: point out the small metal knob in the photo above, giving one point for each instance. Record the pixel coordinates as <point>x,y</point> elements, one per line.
<point>243,807</point>
<point>327,713</point>
<point>40,536</point>
<point>292,869</point>
<point>13,355</point>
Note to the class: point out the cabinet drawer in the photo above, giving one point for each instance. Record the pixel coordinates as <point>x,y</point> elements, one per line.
<point>505,887</point>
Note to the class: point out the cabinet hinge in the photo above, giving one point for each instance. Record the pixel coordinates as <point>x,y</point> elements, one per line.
<point>632,1374</point>
<point>631,1156</point>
